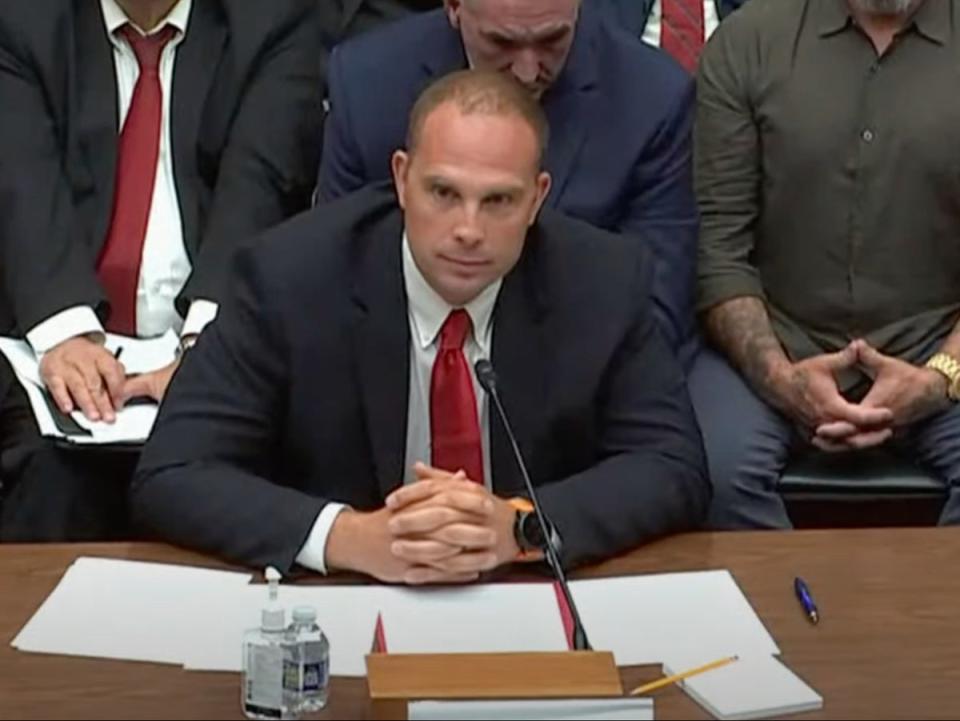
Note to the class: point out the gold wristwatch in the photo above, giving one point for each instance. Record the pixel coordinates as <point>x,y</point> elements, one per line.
<point>949,367</point>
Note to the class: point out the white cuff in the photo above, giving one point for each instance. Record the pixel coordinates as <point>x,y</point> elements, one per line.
<point>313,555</point>
<point>201,314</point>
<point>67,324</point>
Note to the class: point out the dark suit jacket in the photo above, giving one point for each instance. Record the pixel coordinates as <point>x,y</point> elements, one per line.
<point>245,112</point>
<point>632,15</point>
<point>297,394</point>
<point>343,19</point>
<point>620,149</point>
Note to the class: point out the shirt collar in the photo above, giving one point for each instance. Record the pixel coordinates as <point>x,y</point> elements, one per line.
<point>430,311</point>
<point>835,15</point>
<point>931,18</point>
<point>115,18</point>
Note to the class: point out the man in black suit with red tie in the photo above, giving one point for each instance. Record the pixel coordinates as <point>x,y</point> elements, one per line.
<point>140,141</point>
<point>331,416</point>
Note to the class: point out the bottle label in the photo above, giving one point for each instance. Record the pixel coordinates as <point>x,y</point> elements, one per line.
<point>315,676</point>
<point>263,694</point>
<point>291,675</point>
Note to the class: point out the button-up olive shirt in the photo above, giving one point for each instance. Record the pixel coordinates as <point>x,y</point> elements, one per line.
<point>829,178</point>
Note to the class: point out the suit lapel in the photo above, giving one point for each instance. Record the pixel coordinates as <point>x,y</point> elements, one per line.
<point>95,95</point>
<point>382,347</point>
<point>568,105</point>
<point>199,59</point>
<point>518,353</point>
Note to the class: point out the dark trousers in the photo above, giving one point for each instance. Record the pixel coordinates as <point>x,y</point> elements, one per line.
<point>52,493</point>
<point>748,445</point>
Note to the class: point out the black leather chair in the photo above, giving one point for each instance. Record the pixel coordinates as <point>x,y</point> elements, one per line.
<point>867,488</point>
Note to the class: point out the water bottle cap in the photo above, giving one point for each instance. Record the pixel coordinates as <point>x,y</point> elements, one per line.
<point>304,614</point>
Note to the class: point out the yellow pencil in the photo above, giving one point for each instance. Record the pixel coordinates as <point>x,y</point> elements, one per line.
<point>653,686</point>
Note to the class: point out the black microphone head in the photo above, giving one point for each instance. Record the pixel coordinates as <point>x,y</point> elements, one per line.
<point>486,375</point>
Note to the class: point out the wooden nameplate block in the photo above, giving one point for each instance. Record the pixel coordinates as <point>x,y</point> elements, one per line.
<point>397,679</point>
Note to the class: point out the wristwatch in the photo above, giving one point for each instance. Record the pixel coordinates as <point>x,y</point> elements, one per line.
<point>949,367</point>
<point>527,531</point>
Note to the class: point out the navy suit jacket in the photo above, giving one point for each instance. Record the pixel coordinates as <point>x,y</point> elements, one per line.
<point>632,15</point>
<point>620,117</point>
<point>297,394</point>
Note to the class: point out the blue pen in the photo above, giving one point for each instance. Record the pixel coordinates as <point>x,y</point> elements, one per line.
<point>806,600</point>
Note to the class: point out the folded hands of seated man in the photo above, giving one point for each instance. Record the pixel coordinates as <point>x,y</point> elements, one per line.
<point>442,529</point>
<point>901,394</point>
<point>82,374</point>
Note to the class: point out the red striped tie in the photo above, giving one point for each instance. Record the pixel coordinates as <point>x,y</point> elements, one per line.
<point>118,267</point>
<point>682,34</point>
<point>454,427</point>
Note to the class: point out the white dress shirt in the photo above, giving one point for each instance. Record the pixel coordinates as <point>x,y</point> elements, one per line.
<point>165,265</point>
<point>427,313</point>
<point>652,32</point>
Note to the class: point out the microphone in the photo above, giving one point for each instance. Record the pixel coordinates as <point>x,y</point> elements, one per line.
<point>488,381</point>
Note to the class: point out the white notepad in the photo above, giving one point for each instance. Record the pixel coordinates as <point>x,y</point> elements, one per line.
<point>752,687</point>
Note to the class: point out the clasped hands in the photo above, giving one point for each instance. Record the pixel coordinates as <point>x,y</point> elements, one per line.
<point>901,394</point>
<point>444,528</point>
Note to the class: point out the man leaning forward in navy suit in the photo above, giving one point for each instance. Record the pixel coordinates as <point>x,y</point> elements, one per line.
<point>620,115</point>
<point>331,416</point>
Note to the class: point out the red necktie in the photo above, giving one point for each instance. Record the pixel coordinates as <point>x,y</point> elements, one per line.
<point>118,267</point>
<point>454,428</point>
<point>682,32</point>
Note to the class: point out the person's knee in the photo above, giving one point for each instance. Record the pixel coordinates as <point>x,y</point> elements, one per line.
<point>65,496</point>
<point>747,444</point>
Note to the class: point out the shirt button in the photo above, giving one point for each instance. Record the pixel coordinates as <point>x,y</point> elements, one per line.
<point>867,136</point>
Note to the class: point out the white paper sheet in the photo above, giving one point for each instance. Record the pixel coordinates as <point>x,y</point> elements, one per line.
<point>621,709</point>
<point>143,356</point>
<point>646,619</point>
<point>751,687</point>
<point>104,608</point>
<point>133,424</point>
<point>501,618</point>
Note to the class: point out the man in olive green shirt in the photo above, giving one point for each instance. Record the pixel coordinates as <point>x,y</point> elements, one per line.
<point>828,178</point>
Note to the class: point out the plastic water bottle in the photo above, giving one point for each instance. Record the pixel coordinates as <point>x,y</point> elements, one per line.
<point>309,669</point>
<point>266,654</point>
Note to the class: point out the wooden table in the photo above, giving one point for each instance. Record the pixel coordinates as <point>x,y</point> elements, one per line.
<point>887,645</point>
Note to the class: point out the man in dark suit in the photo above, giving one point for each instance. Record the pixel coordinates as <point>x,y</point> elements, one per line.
<point>301,425</point>
<point>342,19</point>
<point>620,119</point>
<point>680,27</point>
<point>140,141</point>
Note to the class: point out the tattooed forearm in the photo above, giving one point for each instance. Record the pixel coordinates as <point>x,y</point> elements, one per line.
<point>741,329</point>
